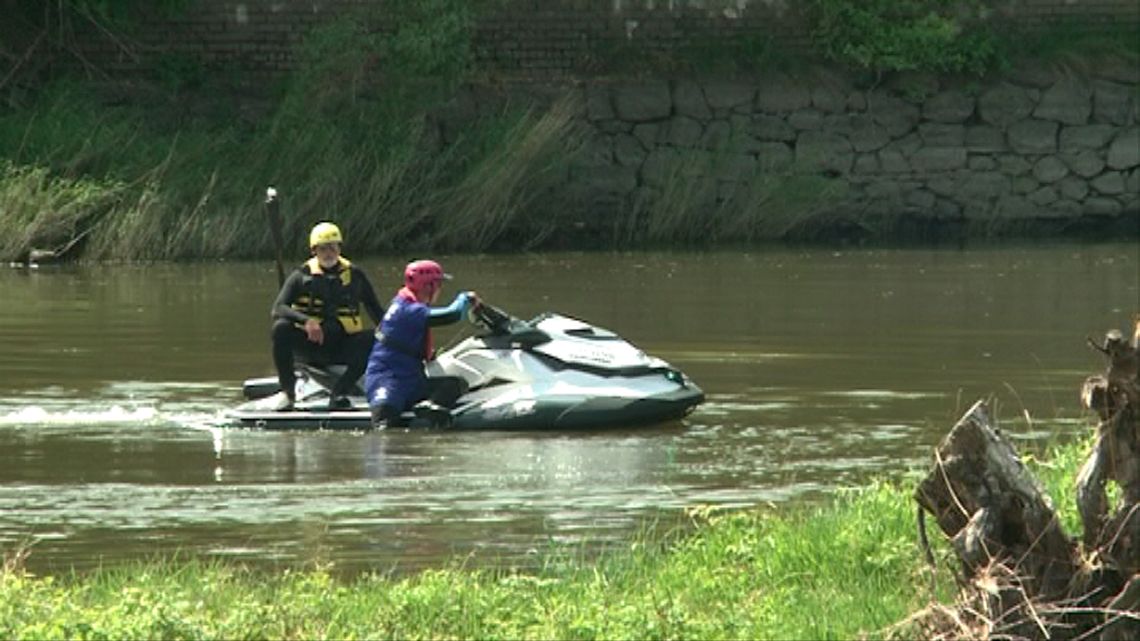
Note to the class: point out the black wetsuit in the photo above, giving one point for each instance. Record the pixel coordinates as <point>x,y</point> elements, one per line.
<point>334,298</point>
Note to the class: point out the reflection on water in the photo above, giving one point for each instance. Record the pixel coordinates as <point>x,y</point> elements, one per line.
<point>822,369</point>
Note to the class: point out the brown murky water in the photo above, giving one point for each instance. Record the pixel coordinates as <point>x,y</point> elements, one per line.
<point>823,368</point>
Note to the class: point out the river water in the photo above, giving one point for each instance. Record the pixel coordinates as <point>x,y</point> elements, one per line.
<point>823,368</point>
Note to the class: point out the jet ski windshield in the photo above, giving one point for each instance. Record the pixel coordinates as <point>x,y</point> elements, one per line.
<point>505,330</point>
<point>493,319</point>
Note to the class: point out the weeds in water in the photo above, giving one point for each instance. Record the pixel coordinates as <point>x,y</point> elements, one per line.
<point>48,213</point>
<point>14,559</point>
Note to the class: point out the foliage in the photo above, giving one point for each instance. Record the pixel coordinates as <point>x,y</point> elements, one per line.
<point>432,38</point>
<point>384,78</point>
<point>177,72</point>
<point>37,38</point>
<point>904,35</point>
<point>354,134</point>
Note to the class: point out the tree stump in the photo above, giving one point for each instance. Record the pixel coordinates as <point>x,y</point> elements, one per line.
<point>1022,577</point>
<point>993,509</point>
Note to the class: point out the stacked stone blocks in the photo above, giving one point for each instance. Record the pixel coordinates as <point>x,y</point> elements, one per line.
<point>1056,145</point>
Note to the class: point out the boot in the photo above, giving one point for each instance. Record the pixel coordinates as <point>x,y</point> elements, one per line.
<point>282,402</point>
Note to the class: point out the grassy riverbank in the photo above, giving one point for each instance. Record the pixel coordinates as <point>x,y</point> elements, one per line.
<point>849,569</point>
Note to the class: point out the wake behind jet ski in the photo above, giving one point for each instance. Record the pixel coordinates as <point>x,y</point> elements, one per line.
<point>551,372</point>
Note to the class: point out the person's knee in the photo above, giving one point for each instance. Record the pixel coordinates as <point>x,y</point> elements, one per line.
<point>282,330</point>
<point>359,346</point>
<point>358,349</point>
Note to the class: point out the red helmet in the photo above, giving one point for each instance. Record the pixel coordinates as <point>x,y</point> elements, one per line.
<point>420,275</point>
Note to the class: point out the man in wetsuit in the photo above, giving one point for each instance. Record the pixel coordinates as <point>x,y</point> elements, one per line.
<point>317,317</point>
<point>395,378</point>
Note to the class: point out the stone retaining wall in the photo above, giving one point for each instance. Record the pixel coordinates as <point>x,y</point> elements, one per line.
<point>1036,144</point>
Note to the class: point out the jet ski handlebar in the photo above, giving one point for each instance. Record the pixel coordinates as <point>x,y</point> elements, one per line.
<point>491,318</point>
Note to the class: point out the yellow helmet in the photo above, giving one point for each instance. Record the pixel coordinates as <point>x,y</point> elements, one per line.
<point>323,234</point>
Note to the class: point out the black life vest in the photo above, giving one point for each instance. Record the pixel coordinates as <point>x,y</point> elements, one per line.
<point>322,297</point>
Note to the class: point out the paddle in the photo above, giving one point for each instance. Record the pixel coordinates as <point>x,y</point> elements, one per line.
<point>273,217</point>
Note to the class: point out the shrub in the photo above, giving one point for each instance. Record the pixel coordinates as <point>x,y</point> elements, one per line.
<point>904,35</point>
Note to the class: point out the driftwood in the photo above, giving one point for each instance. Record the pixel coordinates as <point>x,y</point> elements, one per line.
<point>1021,575</point>
<point>34,256</point>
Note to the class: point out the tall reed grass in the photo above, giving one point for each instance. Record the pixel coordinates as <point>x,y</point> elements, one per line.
<point>497,196</point>
<point>198,194</point>
<point>716,197</point>
<point>169,176</point>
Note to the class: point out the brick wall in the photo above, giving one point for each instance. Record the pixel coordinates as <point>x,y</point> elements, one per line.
<point>1094,10</point>
<point>527,36</point>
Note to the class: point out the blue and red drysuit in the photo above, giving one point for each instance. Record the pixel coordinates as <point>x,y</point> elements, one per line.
<point>394,379</point>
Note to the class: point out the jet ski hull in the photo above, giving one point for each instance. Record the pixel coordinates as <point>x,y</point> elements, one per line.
<point>550,413</point>
<point>351,420</point>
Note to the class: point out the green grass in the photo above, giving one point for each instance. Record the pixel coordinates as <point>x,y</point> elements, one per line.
<point>847,568</point>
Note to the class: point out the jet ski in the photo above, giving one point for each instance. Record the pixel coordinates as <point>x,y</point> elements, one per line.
<point>552,372</point>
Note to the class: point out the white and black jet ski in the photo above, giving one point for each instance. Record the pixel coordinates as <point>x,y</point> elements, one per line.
<point>551,372</point>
